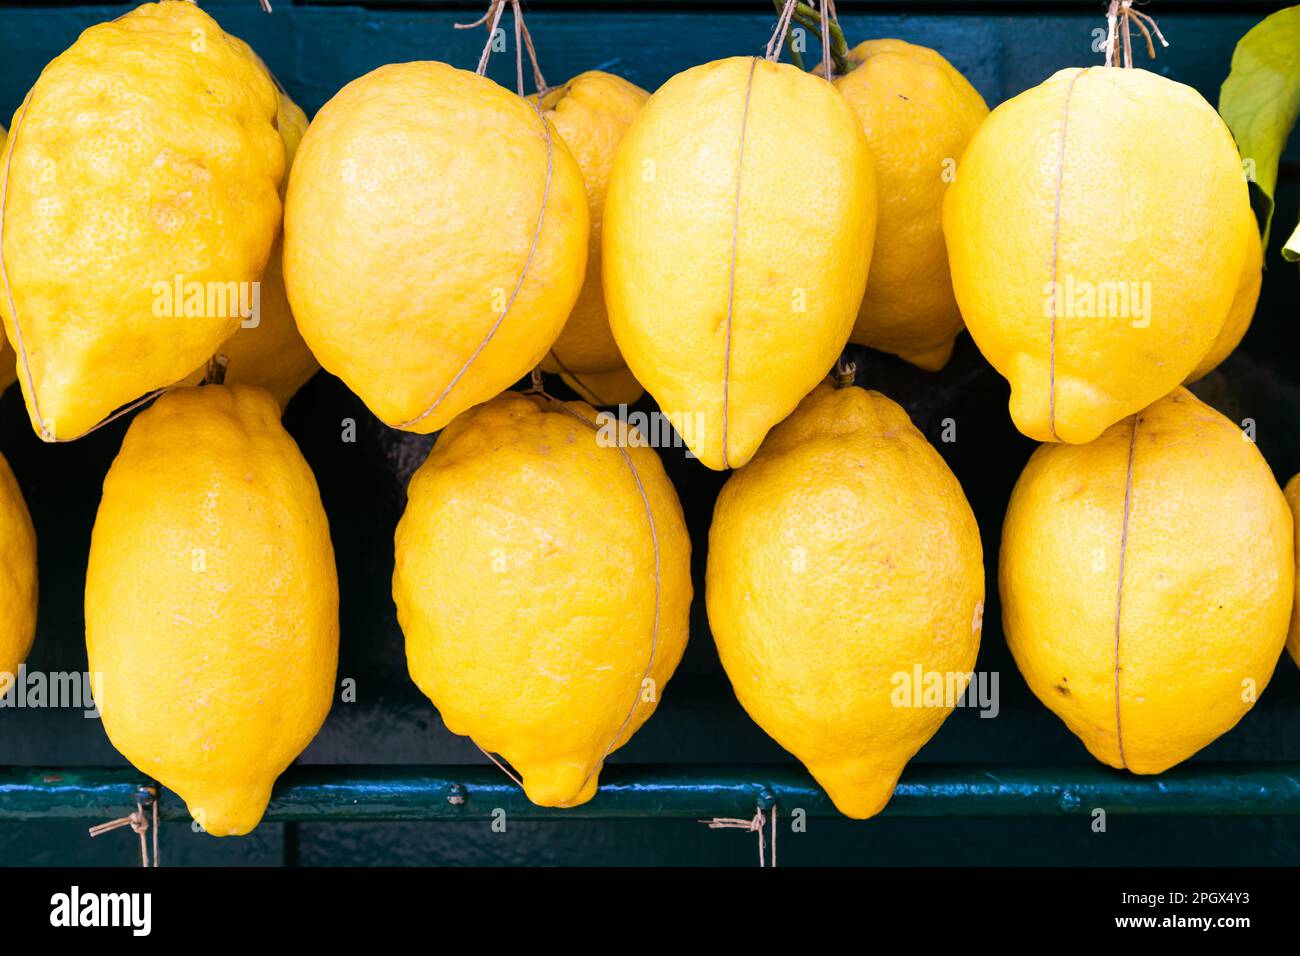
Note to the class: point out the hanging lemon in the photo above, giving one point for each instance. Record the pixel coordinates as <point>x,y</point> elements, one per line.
<point>918,113</point>
<point>846,499</point>
<point>139,195</point>
<point>1241,312</point>
<point>212,601</point>
<point>267,350</point>
<point>592,112</point>
<point>738,232</point>
<point>543,582</point>
<point>435,239</point>
<point>17,577</point>
<point>1147,579</point>
<point>1292,492</point>
<point>8,366</point>
<point>1097,233</point>
<point>271,353</point>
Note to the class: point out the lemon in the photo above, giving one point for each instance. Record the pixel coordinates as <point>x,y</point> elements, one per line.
<point>8,367</point>
<point>272,354</point>
<point>845,499</point>
<point>435,239</point>
<point>269,352</point>
<point>543,583</point>
<point>1292,492</point>
<point>738,230</point>
<point>1241,312</point>
<point>145,155</point>
<point>918,113</point>
<point>212,601</point>
<point>1147,579</point>
<point>1096,233</point>
<point>591,113</point>
<point>614,387</point>
<point>17,577</point>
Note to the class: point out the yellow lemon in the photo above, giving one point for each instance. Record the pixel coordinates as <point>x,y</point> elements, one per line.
<point>1147,580</point>
<point>615,387</point>
<point>845,499</point>
<point>1242,311</point>
<point>435,239</point>
<point>918,113</point>
<point>212,601</point>
<point>1292,492</point>
<point>145,158</point>
<point>17,578</point>
<point>591,113</point>
<point>267,350</point>
<point>8,367</point>
<point>543,583</point>
<point>1096,233</point>
<point>272,353</point>
<point>738,230</point>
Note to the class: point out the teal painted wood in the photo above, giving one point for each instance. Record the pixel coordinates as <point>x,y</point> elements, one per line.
<point>36,793</point>
<point>390,794</point>
<point>315,49</point>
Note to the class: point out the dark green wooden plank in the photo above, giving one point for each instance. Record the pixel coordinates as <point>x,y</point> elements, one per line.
<point>691,792</point>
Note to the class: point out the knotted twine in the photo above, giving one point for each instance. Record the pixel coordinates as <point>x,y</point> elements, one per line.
<point>753,825</point>
<point>139,823</point>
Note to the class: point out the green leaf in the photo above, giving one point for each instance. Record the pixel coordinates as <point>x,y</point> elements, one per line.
<point>1291,251</point>
<point>1260,99</point>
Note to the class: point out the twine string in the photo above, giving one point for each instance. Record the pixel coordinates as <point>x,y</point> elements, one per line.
<point>519,54</point>
<point>493,19</point>
<point>827,65</point>
<point>777,40</point>
<point>523,42</point>
<point>501,766</point>
<point>539,81</point>
<point>755,824</point>
<point>139,824</point>
<point>819,17</point>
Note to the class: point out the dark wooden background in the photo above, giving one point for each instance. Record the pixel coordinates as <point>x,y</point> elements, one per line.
<point>315,48</point>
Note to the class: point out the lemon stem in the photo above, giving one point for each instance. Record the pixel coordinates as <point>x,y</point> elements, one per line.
<point>845,372</point>
<point>1120,18</point>
<point>216,372</point>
